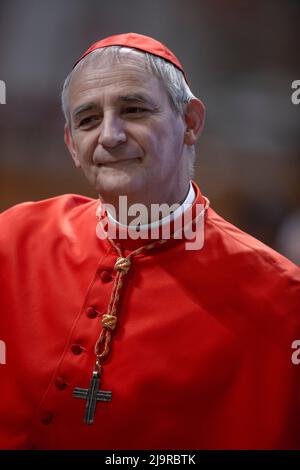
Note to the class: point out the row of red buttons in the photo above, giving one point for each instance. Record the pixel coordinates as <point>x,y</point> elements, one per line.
<point>76,349</point>
<point>60,383</point>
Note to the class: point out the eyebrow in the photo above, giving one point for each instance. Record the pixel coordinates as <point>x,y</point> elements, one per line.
<point>127,98</point>
<point>82,108</point>
<point>136,97</point>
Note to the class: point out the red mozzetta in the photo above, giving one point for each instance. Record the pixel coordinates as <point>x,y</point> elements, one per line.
<point>201,356</point>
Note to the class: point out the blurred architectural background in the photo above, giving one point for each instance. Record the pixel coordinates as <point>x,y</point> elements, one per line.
<point>240,57</point>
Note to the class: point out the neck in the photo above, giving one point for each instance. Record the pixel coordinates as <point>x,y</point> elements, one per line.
<point>145,209</point>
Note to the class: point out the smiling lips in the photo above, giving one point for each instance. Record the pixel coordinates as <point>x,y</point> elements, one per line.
<point>116,162</point>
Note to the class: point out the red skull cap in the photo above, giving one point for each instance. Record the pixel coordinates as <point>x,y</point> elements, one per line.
<point>136,41</point>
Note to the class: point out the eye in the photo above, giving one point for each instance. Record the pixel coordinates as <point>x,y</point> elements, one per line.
<point>134,110</point>
<point>88,121</point>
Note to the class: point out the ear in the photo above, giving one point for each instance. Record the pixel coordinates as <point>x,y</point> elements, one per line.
<point>70,144</point>
<point>194,120</point>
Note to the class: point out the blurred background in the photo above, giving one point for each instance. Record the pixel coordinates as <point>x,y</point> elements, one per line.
<point>240,57</point>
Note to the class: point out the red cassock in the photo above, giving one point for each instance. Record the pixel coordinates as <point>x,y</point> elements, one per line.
<point>201,357</point>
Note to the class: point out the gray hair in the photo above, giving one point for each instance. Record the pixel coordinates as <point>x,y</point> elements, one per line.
<point>177,89</point>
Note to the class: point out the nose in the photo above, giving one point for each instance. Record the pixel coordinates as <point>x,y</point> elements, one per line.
<point>112,132</point>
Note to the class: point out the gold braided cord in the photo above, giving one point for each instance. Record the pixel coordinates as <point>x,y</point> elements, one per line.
<point>122,265</point>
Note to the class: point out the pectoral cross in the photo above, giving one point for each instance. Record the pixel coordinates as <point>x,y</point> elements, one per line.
<point>92,395</point>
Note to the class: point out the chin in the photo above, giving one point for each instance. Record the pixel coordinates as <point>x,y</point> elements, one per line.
<point>114,184</point>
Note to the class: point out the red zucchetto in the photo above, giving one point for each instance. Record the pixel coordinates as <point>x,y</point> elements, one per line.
<point>136,41</point>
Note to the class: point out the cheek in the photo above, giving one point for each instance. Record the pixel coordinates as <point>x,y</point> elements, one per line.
<point>142,137</point>
<point>168,140</point>
<point>155,138</point>
<point>85,147</point>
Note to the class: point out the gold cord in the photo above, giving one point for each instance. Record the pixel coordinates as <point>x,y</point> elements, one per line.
<point>122,266</point>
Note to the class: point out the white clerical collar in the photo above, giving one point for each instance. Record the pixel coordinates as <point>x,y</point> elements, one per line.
<point>185,205</point>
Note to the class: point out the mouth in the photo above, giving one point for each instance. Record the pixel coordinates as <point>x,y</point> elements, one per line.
<point>126,161</point>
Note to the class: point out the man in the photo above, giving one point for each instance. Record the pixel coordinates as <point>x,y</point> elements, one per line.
<point>120,341</point>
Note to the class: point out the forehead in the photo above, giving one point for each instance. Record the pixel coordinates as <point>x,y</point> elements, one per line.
<point>106,77</point>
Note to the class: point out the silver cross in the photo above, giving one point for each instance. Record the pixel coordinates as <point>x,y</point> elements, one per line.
<point>92,395</point>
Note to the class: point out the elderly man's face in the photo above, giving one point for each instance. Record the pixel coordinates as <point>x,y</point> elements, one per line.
<point>124,133</point>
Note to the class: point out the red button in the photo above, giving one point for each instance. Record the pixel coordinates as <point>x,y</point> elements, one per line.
<point>60,383</point>
<point>91,312</point>
<point>105,276</point>
<point>47,418</point>
<point>76,349</point>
